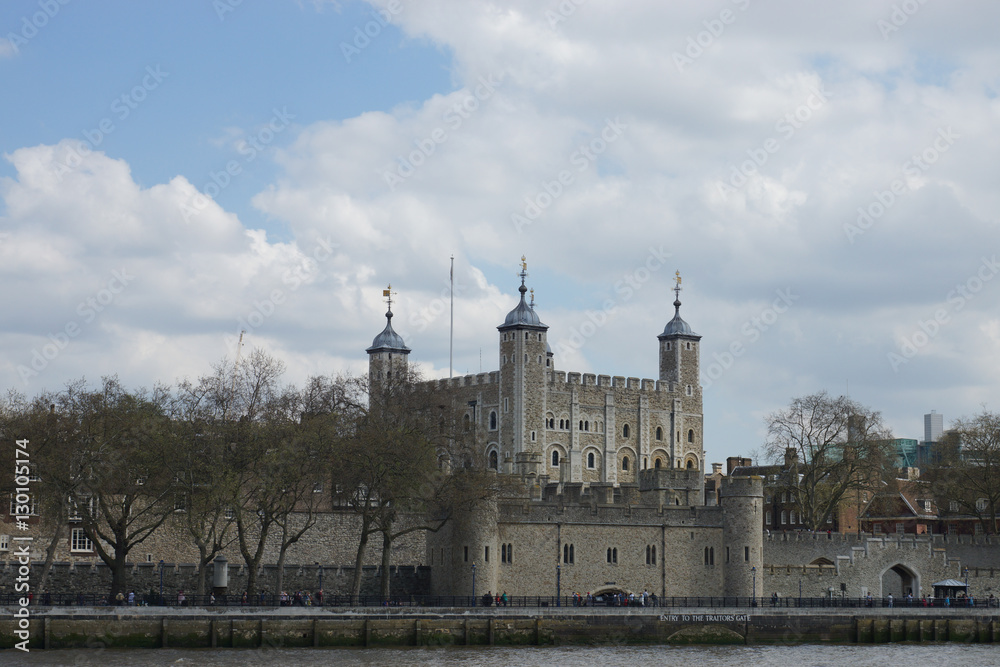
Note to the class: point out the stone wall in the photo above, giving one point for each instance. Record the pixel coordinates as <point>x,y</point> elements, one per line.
<point>333,539</point>
<point>144,577</point>
<point>865,564</point>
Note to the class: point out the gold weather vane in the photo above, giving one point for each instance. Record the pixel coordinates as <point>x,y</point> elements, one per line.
<point>387,295</point>
<point>532,304</point>
<point>677,284</point>
<point>524,269</point>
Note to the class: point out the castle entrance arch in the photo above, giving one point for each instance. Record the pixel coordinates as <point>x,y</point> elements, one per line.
<point>900,581</point>
<point>606,596</point>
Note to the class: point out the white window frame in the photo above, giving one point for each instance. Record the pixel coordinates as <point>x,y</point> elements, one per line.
<point>79,542</point>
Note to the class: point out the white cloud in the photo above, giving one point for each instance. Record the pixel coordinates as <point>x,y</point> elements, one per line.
<point>485,158</point>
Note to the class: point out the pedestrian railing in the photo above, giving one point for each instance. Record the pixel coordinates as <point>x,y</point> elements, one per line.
<point>306,599</point>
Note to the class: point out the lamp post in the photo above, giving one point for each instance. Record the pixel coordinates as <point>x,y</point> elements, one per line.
<point>558,584</point>
<point>966,573</point>
<point>161,581</point>
<point>753,571</point>
<point>473,584</point>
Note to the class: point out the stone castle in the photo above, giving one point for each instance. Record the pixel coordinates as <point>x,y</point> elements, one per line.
<point>610,495</point>
<point>612,471</point>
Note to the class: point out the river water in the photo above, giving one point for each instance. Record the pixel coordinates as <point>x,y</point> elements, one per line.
<point>942,655</point>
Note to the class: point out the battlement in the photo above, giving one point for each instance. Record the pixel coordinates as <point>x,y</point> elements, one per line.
<point>557,378</point>
<point>652,479</point>
<point>471,380</point>
<point>748,487</point>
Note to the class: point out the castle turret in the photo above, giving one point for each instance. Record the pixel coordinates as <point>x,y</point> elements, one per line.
<point>523,362</point>
<point>679,355</point>
<point>742,500</point>
<point>388,355</point>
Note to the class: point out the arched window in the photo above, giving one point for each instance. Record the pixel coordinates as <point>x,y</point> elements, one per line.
<point>659,433</point>
<point>586,426</point>
<point>657,463</point>
<point>625,431</point>
<point>581,424</point>
<point>590,459</point>
<point>493,460</point>
<point>791,517</point>
<point>466,423</point>
<point>690,435</point>
<point>784,517</point>
<point>624,463</point>
<point>493,420</point>
<point>555,458</point>
<point>690,464</point>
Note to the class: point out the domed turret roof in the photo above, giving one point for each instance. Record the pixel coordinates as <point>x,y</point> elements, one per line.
<point>677,325</point>
<point>524,314</point>
<point>388,339</point>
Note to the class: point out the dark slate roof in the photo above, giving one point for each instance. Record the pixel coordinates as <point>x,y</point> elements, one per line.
<point>677,326</point>
<point>523,315</point>
<point>388,339</point>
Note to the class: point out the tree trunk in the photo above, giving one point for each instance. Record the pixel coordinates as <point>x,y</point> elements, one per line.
<point>280,576</point>
<point>359,558</point>
<point>203,563</point>
<point>117,575</point>
<point>386,553</point>
<point>50,556</point>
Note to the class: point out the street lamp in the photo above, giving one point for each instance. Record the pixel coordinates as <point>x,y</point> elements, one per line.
<point>558,584</point>
<point>320,581</point>
<point>753,571</point>
<point>473,584</point>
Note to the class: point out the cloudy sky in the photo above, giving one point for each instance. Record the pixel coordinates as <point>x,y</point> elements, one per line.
<point>823,175</point>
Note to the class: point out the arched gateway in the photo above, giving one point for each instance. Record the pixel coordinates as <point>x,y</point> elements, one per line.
<point>900,581</point>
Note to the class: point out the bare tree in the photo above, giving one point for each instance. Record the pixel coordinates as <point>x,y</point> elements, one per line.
<point>833,446</point>
<point>123,490</point>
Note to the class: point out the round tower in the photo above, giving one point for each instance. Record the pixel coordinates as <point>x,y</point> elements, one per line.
<point>475,550</point>
<point>743,535</point>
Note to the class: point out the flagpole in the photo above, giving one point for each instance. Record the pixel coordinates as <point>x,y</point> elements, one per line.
<point>451,333</point>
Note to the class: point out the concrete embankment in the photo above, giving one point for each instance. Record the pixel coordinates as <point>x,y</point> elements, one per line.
<point>61,628</point>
